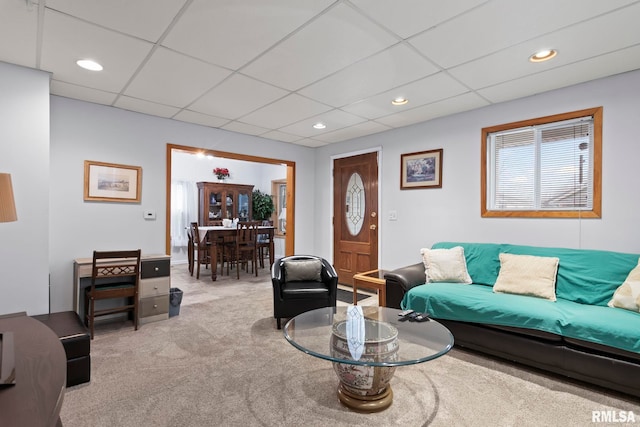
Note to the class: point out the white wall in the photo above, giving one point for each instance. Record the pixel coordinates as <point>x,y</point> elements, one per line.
<point>190,167</point>
<point>452,213</point>
<point>24,153</point>
<point>84,131</point>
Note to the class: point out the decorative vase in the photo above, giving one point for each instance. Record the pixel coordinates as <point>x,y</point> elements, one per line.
<point>365,388</point>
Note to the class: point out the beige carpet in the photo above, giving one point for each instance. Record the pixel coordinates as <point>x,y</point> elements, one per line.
<point>222,362</point>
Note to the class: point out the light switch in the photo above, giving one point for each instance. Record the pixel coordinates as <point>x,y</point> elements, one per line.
<point>149,215</point>
<point>393,215</point>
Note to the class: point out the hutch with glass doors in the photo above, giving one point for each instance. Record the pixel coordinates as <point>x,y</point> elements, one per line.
<point>217,201</point>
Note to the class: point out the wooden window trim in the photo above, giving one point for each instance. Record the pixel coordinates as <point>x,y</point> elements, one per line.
<point>596,210</point>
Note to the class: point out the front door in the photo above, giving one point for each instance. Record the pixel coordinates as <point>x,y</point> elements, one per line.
<point>355,215</point>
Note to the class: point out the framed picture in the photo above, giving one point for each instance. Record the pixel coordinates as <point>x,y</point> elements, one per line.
<point>108,182</point>
<point>421,170</point>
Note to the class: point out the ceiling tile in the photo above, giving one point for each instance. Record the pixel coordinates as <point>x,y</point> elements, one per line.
<point>573,43</point>
<point>601,66</point>
<point>328,44</point>
<point>237,96</point>
<point>394,67</point>
<point>425,91</point>
<point>65,40</point>
<point>285,111</point>
<point>334,119</point>
<point>245,128</point>
<point>351,132</point>
<point>174,79</point>
<point>408,17</point>
<point>80,92</point>
<point>465,102</point>
<point>201,119</point>
<point>18,21</point>
<point>130,17</point>
<point>281,136</point>
<point>146,107</point>
<point>307,142</point>
<point>503,23</point>
<point>231,32</point>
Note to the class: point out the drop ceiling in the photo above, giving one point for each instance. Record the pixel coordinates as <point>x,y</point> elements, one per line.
<point>274,68</point>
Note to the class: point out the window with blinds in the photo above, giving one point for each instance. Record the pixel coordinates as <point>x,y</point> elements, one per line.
<point>543,167</point>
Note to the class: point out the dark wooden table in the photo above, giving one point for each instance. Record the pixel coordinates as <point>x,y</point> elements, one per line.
<point>41,371</point>
<point>213,232</point>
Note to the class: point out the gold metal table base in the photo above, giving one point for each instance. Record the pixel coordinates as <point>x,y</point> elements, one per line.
<point>366,404</point>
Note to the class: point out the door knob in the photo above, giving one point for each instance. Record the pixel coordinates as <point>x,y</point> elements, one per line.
<point>372,227</point>
<point>373,214</point>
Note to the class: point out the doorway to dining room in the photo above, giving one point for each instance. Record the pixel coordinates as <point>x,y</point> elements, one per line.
<point>188,165</point>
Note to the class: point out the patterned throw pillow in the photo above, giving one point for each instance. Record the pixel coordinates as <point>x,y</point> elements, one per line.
<point>527,275</point>
<point>445,265</point>
<point>627,295</point>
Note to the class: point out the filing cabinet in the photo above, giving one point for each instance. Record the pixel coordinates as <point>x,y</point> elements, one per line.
<point>153,293</point>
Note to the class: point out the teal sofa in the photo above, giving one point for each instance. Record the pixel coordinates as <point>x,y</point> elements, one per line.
<point>577,335</point>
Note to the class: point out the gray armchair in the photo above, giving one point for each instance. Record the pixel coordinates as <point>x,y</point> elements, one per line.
<point>302,283</point>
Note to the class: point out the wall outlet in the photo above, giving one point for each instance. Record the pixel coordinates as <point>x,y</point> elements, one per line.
<point>393,215</point>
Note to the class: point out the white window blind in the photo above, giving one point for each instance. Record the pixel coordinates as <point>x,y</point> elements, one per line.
<point>543,167</point>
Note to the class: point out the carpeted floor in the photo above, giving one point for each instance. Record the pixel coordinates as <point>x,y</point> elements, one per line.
<point>222,362</point>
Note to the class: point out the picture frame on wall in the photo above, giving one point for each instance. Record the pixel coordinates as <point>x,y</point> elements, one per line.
<point>421,169</point>
<point>110,182</point>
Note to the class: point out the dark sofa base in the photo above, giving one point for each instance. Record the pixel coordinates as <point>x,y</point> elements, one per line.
<point>556,355</point>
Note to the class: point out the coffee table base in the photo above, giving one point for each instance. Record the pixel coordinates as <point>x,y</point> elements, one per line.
<point>366,404</point>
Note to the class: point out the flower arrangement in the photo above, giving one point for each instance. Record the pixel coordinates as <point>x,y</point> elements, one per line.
<point>221,173</point>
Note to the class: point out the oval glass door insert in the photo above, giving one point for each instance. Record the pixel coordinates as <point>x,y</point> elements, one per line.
<point>355,204</point>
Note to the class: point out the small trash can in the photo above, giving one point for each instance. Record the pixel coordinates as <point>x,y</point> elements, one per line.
<point>175,298</point>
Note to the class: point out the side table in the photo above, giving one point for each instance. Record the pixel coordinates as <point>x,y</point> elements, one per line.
<point>40,374</point>
<point>373,279</point>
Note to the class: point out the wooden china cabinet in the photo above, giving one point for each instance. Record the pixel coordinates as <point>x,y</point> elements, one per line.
<point>217,201</point>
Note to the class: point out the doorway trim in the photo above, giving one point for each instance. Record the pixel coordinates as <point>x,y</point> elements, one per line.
<point>378,150</point>
<point>291,174</point>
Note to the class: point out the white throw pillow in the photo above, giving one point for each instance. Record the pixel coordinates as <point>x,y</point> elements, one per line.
<point>527,275</point>
<point>627,295</point>
<point>445,265</point>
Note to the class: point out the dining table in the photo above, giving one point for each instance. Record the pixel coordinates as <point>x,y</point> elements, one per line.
<point>214,233</point>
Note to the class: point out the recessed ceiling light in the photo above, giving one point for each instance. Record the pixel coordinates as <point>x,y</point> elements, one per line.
<point>543,55</point>
<point>399,101</point>
<point>88,64</point>
<point>319,125</point>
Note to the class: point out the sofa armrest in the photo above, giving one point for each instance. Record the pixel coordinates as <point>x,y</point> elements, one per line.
<point>400,280</point>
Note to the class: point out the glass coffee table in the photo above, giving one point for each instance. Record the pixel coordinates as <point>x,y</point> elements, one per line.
<point>366,344</point>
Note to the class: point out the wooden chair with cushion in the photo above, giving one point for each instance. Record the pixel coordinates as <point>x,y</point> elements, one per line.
<point>201,250</point>
<point>114,276</point>
<point>190,251</point>
<point>246,246</point>
<point>264,244</point>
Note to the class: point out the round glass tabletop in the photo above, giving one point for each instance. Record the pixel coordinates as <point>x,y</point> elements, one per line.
<point>367,335</point>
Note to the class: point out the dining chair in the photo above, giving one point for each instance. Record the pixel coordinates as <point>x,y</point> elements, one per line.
<point>246,246</point>
<point>201,248</point>
<point>190,250</point>
<point>263,244</point>
<point>114,276</point>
